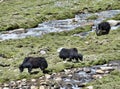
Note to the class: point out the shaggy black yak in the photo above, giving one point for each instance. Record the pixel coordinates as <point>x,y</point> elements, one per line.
<point>33,62</point>
<point>71,53</point>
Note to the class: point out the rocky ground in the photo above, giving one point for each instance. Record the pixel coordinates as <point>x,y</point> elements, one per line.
<point>75,78</point>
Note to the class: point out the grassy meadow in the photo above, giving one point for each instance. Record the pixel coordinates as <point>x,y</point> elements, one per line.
<point>95,49</point>
<point>25,14</point>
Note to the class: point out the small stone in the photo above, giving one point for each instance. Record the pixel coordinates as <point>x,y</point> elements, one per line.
<point>99,71</point>
<point>96,76</point>
<point>18,31</point>
<point>6,88</point>
<point>87,42</point>
<point>106,72</point>
<point>24,80</point>
<point>67,71</point>
<point>33,87</point>
<point>58,79</point>
<point>41,87</point>
<point>18,82</point>
<point>47,76</point>
<point>82,84</point>
<point>42,52</point>
<point>87,70</point>
<point>70,75</point>
<point>89,87</point>
<point>107,68</point>
<point>6,85</point>
<point>12,83</point>
<point>43,83</point>
<point>33,80</point>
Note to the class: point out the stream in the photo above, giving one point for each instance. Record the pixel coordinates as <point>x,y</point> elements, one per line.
<point>74,78</point>
<point>59,25</point>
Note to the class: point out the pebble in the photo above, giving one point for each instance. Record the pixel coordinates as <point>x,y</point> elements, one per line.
<point>33,80</point>
<point>33,87</point>
<point>6,88</point>
<point>97,76</point>
<point>41,87</point>
<point>99,71</point>
<point>89,87</point>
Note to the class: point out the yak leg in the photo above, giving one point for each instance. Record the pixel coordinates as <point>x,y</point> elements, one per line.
<point>30,69</point>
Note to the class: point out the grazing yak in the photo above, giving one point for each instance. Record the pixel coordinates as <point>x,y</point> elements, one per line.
<point>71,53</point>
<point>33,62</point>
<point>103,28</point>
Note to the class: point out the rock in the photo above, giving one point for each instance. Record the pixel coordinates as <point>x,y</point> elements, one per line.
<point>1,1</point>
<point>96,76</point>
<point>18,82</point>
<point>81,84</point>
<point>12,83</point>
<point>89,87</point>
<point>42,52</point>
<point>41,87</point>
<point>43,83</point>
<point>87,70</point>
<point>33,80</point>
<point>25,87</point>
<point>6,88</point>
<point>99,71</point>
<point>106,68</point>
<point>87,42</point>
<point>18,31</point>
<point>47,76</point>
<point>67,71</point>
<point>24,80</point>
<point>70,75</point>
<point>58,79</point>
<point>6,85</point>
<point>33,87</point>
<point>106,72</point>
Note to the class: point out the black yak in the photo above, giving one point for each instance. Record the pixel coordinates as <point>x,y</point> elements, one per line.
<point>103,28</point>
<point>71,53</point>
<point>33,62</point>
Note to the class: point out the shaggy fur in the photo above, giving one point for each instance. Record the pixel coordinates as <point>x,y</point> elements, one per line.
<point>71,54</point>
<point>103,28</point>
<point>33,62</point>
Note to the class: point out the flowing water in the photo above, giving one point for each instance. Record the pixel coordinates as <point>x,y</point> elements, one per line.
<point>60,25</point>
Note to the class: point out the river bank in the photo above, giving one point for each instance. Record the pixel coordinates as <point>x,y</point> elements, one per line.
<point>28,14</point>
<point>74,78</point>
<point>79,20</point>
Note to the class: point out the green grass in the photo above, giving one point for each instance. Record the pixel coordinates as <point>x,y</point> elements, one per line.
<point>25,14</point>
<point>99,50</point>
<point>111,81</point>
